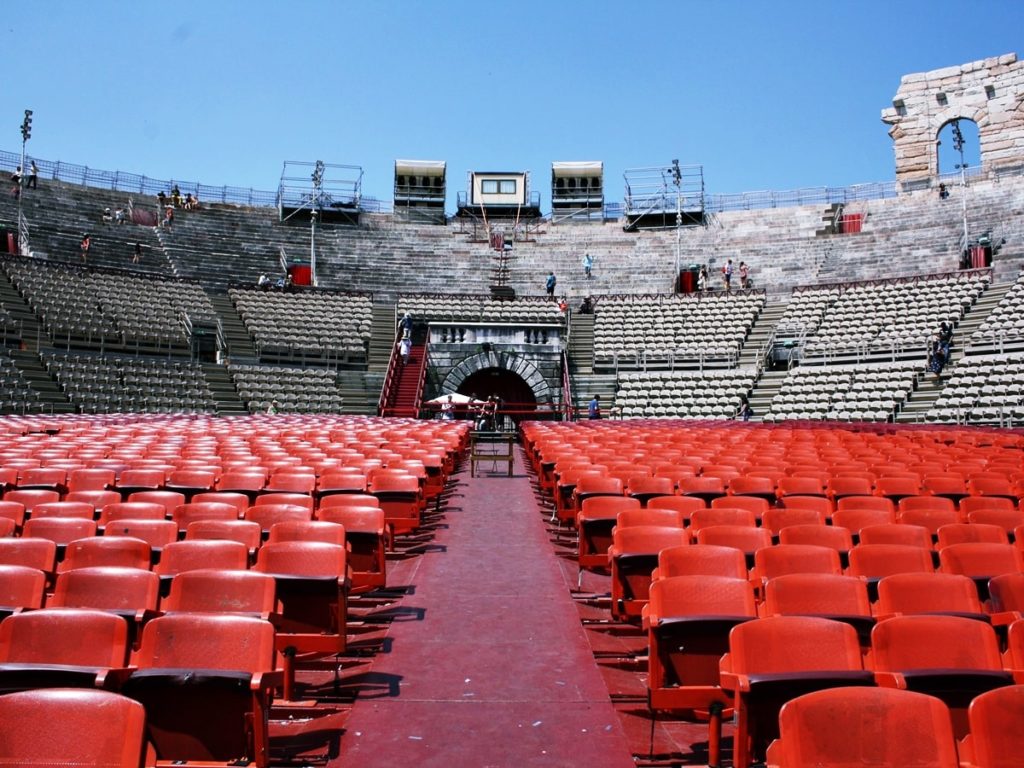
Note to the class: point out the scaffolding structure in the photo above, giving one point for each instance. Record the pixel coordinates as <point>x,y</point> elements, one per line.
<point>333,191</point>
<point>664,196</point>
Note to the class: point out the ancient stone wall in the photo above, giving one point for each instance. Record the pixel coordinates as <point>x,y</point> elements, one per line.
<point>990,92</point>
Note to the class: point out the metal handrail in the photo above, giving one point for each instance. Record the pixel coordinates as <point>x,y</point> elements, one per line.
<point>567,406</point>
<point>389,377</point>
<point>422,377</point>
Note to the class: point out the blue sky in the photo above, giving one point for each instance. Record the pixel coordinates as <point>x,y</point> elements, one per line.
<point>763,95</point>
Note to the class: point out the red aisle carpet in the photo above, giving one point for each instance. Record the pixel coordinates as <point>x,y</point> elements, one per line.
<point>492,665</point>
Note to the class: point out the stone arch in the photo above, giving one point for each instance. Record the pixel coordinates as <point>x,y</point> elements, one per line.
<point>508,361</point>
<point>989,92</point>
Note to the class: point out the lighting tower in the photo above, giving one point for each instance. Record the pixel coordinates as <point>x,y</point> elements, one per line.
<point>26,134</point>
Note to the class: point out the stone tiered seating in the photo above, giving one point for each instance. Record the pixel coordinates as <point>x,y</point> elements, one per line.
<point>303,323</point>
<point>116,307</point>
<point>983,389</point>
<point>1004,327</point>
<point>479,309</point>
<point>633,331</point>
<point>294,390</point>
<point>862,392</point>
<point>889,317</point>
<point>683,394</point>
<point>114,384</point>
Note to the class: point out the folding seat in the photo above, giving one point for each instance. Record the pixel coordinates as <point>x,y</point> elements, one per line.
<point>40,554</point>
<point>702,487</point>
<point>1006,598</point>
<point>367,542</point>
<point>96,728</point>
<point>745,538</point>
<point>192,554</point>
<point>594,486</point>
<point>633,555</point>
<point>662,517</point>
<point>132,593</point>
<point>683,504</point>
<point>866,502</point>
<point>248,482</point>
<point>841,487</point>
<point>948,485</point>
<point>950,657</point>
<point>170,499</point>
<point>995,739</point>
<point>700,560</point>
<point>707,518</point>
<point>135,510</point>
<point>895,488</point>
<point>958,533</point>
<point>21,588</point>
<point>688,620</point>
<point>239,500</point>
<point>755,486</point>
<point>854,726</point>
<point>777,518</point>
<point>43,478</point>
<point>306,530</point>
<point>190,482</point>
<point>312,588</point>
<point>267,515</point>
<point>594,522</point>
<point>644,488</point>
<point>61,647</point>
<point>31,497</point>
<point>7,527</point>
<point>60,530</point>
<point>156,533</point>
<point>825,595</point>
<point>206,682</point>
<point>981,561</point>
<point>931,512</point>
<point>64,509</point>
<point>800,486</point>
<point>184,514</point>
<point>983,484</point>
<point>94,551</point>
<point>401,499</point>
<point>896,533</point>
<point>348,500</point>
<point>285,497</point>
<point>854,520</point>
<point>752,503</point>
<point>91,479</point>
<point>218,591</point>
<point>290,482</point>
<point>13,510</point>
<point>834,536</point>
<point>970,504</point>
<point>783,559</point>
<point>773,660</point>
<point>1007,519</point>
<point>875,561</point>
<point>341,481</point>
<point>928,593</point>
<point>134,480</point>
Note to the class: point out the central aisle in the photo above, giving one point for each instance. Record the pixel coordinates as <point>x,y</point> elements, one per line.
<point>498,671</point>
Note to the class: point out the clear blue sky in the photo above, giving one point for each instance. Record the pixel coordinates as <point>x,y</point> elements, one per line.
<point>765,95</point>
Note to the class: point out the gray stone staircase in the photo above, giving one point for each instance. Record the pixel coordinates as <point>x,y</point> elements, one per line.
<point>240,346</point>
<point>31,331</point>
<point>585,386</point>
<point>49,393</point>
<point>581,344</point>
<point>765,389</point>
<point>759,335</point>
<point>222,387</point>
<point>382,338</point>
<point>359,391</point>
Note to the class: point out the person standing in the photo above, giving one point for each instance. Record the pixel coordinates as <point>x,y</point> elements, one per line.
<point>594,407</point>
<point>84,246</point>
<point>727,275</point>
<point>549,285</point>
<point>744,275</point>
<point>405,349</point>
<point>588,265</point>
<point>33,176</point>
<point>137,255</point>
<point>406,324</point>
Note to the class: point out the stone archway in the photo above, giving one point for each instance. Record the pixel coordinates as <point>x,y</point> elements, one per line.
<point>506,361</point>
<point>989,92</point>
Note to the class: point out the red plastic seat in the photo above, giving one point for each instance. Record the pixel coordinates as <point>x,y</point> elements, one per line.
<point>350,480</point>
<point>896,533</point>
<point>777,518</point>
<point>856,519</point>
<point>949,485</point>
<point>171,500</point>
<point>64,509</point>
<point>874,561</point>
<point>218,591</point>
<point>40,554</point>
<point>950,657</point>
<point>97,728</point>
<point>632,556</point>
<point>745,538</point>
<point>854,726</point>
<point>1006,598</point>
<point>365,535</point>
<point>21,588</point>
<point>706,487</point>
<point>683,504</point>
<point>644,488</point>
<point>841,487</point>
<point>981,561</point>
<point>970,504</point>
<point>61,530</point>
<point>732,516</point>
<point>663,517</point>
<point>268,515</point>
<point>135,510</point>
<point>13,510</point>
<point>194,554</point>
<point>206,682</point>
<point>917,593</point>
<point>834,536</point>
<point>750,503</point>
<point>996,739</point>
<point>816,503</point>
<point>242,531</point>
<point>135,480</point>
<point>31,497</point>
<point>800,486</point>
<point>290,482</point>
<point>131,593</point>
<point>755,486</point>
<point>94,551</point>
<point>48,478</point>
<point>958,533</point>
<point>700,560</point>
<point>157,533</point>
<point>237,499</point>
<point>183,514</point>
<point>401,499</point>
<point>191,481</point>
<point>91,479</point>
<point>773,660</point>
<point>825,595</point>
<point>596,519</point>
<point>783,559</point>
<point>307,530</point>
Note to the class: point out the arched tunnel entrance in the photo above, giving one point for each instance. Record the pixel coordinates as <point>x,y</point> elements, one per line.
<point>515,395</point>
